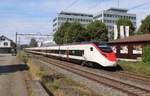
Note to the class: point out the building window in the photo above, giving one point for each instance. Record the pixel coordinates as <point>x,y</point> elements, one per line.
<point>63,51</point>
<point>2,38</point>
<point>99,16</point>
<point>5,43</point>
<point>54,19</point>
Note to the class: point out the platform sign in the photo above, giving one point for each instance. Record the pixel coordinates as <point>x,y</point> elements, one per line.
<point>124,50</point>
<point>137,49</point>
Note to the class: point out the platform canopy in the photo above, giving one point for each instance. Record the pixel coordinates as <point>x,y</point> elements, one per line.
<point>132,39</point>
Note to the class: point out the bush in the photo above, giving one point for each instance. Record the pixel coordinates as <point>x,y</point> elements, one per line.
<point>146,54</point>
<point>25,58</point>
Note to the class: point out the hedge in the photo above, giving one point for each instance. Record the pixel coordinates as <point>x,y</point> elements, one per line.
<point>146,54</point>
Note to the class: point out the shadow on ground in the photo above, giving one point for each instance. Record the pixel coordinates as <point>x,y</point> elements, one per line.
<point>2,60</point>
<point>2,56</point>
<point>13,68</point>
<point>111,69</point>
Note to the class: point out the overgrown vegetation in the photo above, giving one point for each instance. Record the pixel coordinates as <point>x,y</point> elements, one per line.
<point>61,85</point>
<point>58,84</point>
<point>146,55</point>
<point>25,58</point>
<point>75,32</point>
<point>136,67</point>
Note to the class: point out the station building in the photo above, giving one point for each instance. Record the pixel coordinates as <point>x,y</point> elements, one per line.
<point>63,17</point>
<point>111,15</point>
<point>6,44</point>
<point>130,47</point>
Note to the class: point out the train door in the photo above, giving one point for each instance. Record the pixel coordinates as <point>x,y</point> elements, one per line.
<point>67,53</point>
<point>59,52</point>
<point>87,56</point>
<point>89,52</point>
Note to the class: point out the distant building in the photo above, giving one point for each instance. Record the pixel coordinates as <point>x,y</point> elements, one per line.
<point>110,16</point>
<point>47,43</point>
<point>6,44</point>
<point>63,17</point>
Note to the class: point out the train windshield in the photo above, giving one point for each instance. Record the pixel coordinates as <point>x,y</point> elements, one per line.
<point>105,48</point>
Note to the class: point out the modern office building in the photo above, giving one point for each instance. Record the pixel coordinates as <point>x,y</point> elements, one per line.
<point>110,16</point>
<point>63,17</point>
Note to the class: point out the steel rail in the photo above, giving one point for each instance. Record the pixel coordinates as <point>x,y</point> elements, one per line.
<point>124,87</point>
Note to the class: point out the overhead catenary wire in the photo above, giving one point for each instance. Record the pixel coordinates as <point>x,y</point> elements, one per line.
<point>94,6</point>
<point>140,5</point>
<point>69,6</point>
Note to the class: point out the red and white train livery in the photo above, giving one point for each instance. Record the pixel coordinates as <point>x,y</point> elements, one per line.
<point>99,53</point>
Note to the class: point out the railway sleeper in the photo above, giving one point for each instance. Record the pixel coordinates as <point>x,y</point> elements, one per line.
<point>134,90</point>
<point>146,94</point>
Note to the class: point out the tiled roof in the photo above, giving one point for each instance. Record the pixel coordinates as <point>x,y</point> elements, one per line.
<point>135,38</point>
<point>2,36</point>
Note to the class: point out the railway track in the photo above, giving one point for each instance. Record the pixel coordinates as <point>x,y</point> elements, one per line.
<point>136,76</point>
<point>128,75</point>
<point>131,90</point>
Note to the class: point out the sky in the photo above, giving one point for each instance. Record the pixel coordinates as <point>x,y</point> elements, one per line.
<point>35,16</point>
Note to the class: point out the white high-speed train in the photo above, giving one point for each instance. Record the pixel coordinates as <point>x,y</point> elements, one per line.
<point>99,53</point>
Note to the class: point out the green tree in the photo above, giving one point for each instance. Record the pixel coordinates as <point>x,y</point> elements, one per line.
<point>75,33</point>
<point>69,32</point>
<point>97,31</point>
<point>126,22</point>
<point>33,43</point>
<point>145,26</point>
<point>60,33</point>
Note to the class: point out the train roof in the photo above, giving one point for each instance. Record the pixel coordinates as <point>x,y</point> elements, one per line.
<point>78,43</point>
<point>70,44</point>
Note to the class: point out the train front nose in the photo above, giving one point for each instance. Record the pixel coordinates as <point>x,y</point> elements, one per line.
<point>112,64</point>
<point>111,60</point>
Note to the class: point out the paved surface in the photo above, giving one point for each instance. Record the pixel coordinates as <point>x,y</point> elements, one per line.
<point>38,89</point>
<point>11,77</point>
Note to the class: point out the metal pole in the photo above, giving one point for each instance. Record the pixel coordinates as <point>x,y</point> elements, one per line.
<point>118,3</point>
<point>16,38</point>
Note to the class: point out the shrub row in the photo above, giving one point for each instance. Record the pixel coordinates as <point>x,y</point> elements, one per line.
<point>146,55</point>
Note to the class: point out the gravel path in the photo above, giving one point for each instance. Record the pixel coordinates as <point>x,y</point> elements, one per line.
<point>11,78</point>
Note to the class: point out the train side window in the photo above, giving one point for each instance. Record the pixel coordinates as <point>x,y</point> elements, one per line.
<point>91,48</point>
<point>76,52</point>
<point>62,51</point>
